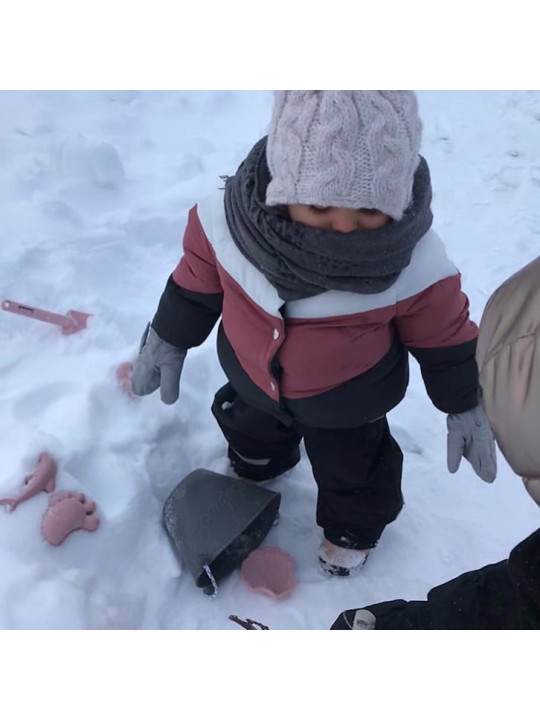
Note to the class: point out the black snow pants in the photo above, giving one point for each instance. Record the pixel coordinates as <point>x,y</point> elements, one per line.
<point>357,470</point>
<point>503,596</point>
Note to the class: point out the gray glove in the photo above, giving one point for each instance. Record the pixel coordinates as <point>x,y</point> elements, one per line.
<point>470,436</point>
<point>159,365</point>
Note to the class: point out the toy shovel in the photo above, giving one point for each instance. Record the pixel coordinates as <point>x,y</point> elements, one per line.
<point>70,323</point>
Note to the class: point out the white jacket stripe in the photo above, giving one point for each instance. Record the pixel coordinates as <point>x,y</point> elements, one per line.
<point>429,264</point>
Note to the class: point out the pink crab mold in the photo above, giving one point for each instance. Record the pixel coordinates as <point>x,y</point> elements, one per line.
<point>66,513</point>
<point>43,479</point>
<point>269,570</point>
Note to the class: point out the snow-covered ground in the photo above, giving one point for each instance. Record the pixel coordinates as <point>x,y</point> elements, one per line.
<point>94,192</point>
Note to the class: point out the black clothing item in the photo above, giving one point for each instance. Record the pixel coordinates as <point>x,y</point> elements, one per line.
<point>355,402</point>
<point>524,572</point>
<point>358,473</point>
<point>255,435</point>
<point>450,375</point>
<point>301,261</point>
<point>502,596</point>
<point>185,319</point>
<point>357,470</point>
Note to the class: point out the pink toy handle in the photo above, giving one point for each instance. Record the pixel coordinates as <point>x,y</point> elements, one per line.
<point>72,322</point>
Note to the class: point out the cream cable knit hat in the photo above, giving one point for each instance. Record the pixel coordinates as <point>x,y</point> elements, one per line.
<point>344,148</point>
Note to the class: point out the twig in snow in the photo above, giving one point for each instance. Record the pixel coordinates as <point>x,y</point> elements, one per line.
<point>248,624</point>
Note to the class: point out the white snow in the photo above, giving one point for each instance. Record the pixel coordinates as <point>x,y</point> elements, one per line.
<point>94,193</point>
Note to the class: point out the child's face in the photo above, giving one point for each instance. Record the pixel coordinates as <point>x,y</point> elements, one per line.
<point>343,220</point>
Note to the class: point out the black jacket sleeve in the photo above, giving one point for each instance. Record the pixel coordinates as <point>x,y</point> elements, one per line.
<point>450,375</point>
<point>503,596</point>
<point>185,318</point>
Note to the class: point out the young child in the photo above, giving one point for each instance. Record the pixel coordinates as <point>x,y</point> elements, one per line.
<point>505,595</point>
<point>320,259</point>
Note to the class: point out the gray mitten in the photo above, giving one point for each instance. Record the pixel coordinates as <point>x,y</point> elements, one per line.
<point>470,436</point>
<point>159,365</point>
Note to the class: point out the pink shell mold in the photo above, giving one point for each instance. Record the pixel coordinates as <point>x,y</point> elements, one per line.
<point>269,570</point>
<point>124,373</point>
<point>68,512</point>
<point>43,479</point>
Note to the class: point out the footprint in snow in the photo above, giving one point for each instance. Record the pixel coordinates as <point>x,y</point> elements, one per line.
<point>36,403</point>
<point>60,211</point>
<point>190,167</point>
<point>535,175</point>
<point>168,461</point>
<point>508,178</point>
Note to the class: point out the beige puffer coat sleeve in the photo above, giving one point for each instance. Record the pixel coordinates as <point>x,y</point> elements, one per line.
<point>508,356</point>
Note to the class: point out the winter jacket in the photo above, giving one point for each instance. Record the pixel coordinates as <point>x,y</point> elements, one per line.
<point>509,361</point>
<point>338,359</point>
<point>502,596</point>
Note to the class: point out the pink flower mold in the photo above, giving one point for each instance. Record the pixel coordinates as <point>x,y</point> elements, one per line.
<point>68,512</point>
<point>43,479</point>
<point>269,570</point>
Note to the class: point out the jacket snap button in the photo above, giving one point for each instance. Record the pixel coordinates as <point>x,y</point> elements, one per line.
<point>276,333</point>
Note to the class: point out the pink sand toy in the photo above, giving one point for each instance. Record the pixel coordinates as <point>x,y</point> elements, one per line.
<point>269,570</point>
<point>68,512</point>
<point>124,373</point>
<point>43,479</point>
<point>70,323</point>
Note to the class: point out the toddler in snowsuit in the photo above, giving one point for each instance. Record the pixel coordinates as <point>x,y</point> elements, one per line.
<point>505,595</point>
<point>320,259</point>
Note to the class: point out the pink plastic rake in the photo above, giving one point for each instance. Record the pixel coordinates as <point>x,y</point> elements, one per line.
<point>70,323</point>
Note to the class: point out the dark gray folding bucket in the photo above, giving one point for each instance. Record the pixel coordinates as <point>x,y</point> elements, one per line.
<point>216,520</point>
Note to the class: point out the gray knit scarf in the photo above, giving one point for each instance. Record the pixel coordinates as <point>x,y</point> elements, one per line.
<point>301,261</point>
